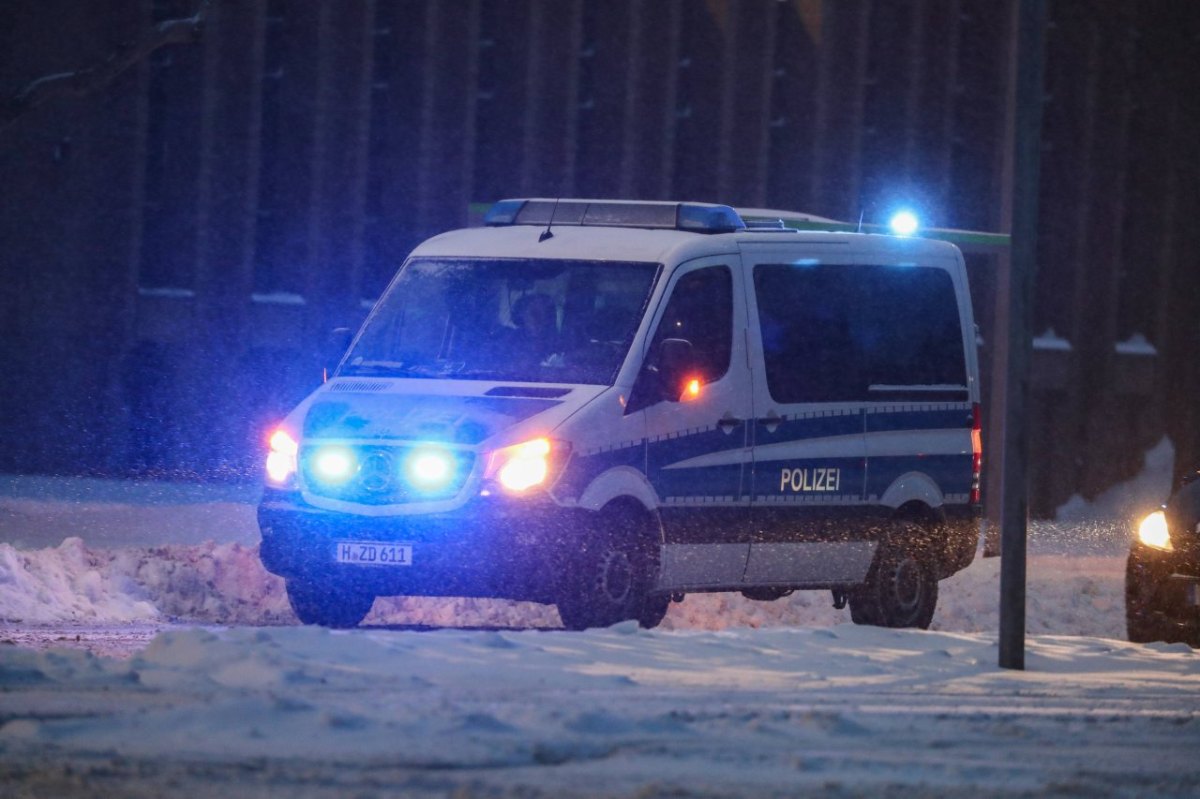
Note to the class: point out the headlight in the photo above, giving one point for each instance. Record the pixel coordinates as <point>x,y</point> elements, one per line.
<point>281,460</point>
<point>1153,531</point>
<point>334,464</point>
<point>429,469</point>
<point>526,465</point>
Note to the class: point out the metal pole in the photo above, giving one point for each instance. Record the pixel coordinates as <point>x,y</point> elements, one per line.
<point>1026,145</point>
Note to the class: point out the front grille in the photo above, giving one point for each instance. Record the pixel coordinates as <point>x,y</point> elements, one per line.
<point>383,475</point>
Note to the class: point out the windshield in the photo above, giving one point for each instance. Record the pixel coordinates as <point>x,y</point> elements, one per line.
<point>535,320</point>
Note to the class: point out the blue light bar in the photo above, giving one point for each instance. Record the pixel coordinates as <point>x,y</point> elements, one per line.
<point>694,217</point>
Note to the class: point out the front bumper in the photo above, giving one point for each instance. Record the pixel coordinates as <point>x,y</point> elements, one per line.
<point>1165,586</point>
<point>491,547</point>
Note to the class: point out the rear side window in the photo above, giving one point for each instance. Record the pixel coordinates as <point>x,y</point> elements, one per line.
<point>829,332</point>
<point>910,331</point>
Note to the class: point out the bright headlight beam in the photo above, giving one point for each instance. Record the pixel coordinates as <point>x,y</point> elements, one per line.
<point>429,469</point>
<point>1153,531</point>
<point>334,464</point>
<point>281,460</point>
<point>527,465</point>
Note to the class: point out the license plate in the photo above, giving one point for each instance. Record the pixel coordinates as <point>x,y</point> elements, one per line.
<point>373,553</point>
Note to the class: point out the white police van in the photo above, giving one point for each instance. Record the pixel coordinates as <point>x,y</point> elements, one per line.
<point>607,405</point>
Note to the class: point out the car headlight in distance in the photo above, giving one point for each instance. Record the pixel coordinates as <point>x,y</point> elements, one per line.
<point>281,457</point>
<point>1153,531</point>
<point>526,465</point>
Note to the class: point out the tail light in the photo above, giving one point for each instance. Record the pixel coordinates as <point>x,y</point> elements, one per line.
<point>976,451</point>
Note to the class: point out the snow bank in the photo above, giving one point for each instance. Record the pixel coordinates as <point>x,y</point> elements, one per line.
<point>226,584</point>
<point>147,555</point>
<point>209,583</point>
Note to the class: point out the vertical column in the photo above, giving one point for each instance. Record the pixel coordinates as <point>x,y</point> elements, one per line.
<point>1101,247</point>
<point>842,66</point>
<point>447,117</point>
<point>551,95</point>
<point>225,217</point>
<point>338,192</point>
<point>747,80</point>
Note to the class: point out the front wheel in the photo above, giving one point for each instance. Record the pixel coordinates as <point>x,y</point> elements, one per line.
<point>610,577</point>
<point>901,589</point>
<point>328,606</point>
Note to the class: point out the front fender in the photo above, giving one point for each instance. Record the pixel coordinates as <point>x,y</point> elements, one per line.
<point>615,483</point>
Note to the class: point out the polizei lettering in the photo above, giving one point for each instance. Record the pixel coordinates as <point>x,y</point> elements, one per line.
<point>819,479</point>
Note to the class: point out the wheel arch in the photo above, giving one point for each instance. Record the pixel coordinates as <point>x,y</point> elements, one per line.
<point>619,483</point>
<point>912,487</point>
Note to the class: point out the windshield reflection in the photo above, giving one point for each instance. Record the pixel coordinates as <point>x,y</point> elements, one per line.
<point>520,320</point>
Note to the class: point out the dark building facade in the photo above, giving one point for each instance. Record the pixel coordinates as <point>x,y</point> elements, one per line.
<point>177,243</point>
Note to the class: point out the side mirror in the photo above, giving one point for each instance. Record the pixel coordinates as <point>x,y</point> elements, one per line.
<point>336,344</point>
<point>676,363</point>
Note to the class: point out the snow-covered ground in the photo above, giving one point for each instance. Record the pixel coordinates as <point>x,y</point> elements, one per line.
<point>147,660</point>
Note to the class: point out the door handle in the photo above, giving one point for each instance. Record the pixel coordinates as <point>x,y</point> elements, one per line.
<point>728,423</point>
<point>771,421</point>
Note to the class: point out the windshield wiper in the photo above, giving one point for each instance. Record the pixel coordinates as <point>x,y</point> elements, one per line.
<point>445,371</point>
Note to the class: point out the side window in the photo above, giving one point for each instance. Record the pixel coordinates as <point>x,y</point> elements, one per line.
<point>910,330</point>
<point>701,311</point>
<point>806,317</point>
<point>831,332</point>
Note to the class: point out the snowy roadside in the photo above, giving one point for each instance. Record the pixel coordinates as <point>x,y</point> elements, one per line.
<point>837,711</point>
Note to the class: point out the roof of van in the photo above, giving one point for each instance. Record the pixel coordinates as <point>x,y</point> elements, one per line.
<point>615,243</point>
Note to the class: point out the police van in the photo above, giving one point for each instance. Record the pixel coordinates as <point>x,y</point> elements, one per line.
<point>607,405</point>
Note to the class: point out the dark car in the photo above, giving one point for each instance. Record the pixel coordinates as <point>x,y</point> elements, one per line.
<point>1162,576</point>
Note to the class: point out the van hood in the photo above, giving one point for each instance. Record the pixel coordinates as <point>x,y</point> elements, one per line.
<point>407,410</point>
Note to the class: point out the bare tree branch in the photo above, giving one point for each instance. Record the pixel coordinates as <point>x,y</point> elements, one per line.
<point>186,30</point>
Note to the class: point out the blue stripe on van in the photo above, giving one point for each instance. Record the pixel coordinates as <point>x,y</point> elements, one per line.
<point>952,473</point>
<point>583,469</point>
<point>798,428</point>
<point>718,481</point>
<point>883,420</point>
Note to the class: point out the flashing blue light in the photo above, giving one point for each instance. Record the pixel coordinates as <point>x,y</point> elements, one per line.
<point>904,223</point>
<point>708,218</point>
<point>695,217</point>
<point>334,464</point>
<point>429,469</point>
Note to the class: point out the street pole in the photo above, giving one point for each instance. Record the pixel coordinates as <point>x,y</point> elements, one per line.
<point>1027,134</point>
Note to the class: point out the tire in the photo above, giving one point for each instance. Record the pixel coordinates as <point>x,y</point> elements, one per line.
<point>338,608</point>
<point>610,578</point>
<point>901,589</point>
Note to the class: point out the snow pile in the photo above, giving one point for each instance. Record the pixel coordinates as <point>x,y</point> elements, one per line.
<point>841,710</point>
<point>69,582</point>
<point>226,584</point>
<point>209,583</point>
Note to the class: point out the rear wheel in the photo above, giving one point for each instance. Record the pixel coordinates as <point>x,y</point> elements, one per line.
<point>901,589</point>
<point>610,578</point>
<point>327,606</point>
